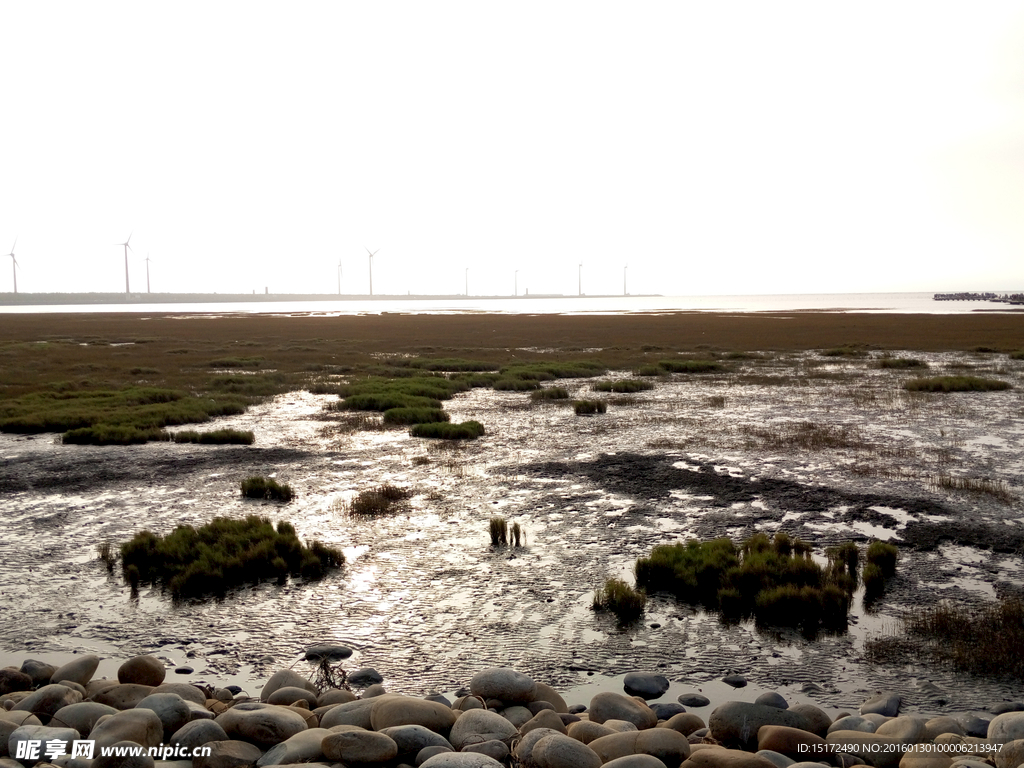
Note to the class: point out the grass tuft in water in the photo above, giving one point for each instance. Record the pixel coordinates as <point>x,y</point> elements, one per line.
<point>409,416</point>
<point>589,407</point>
<point>550,393</point>
<point>996,488</point>
<point>621,599</point>
<point>956,384</point>
<point>221,554</point>
<point>774,580</point>
<point>378,501</point>
<point>257,487</point>
<point>107,555</point>
<point>498,528</point>
<point>466,430</point>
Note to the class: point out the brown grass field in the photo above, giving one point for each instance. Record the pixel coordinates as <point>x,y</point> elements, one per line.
<point>183,350</point>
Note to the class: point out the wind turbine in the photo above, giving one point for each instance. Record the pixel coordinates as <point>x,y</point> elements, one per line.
<point>467,282</point>
<point>372,254</point>
<point>579,278</point>
<point>516,276</point>
<point>14,265</point>
<point>147,273</point>
<point>624,280</point>
<point>339,277</point>
<point>126,247</point>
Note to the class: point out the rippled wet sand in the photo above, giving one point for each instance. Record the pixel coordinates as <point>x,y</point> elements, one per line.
<point>424,598</point>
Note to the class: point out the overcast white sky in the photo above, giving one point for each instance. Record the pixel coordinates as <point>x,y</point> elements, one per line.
<point>713,147</point>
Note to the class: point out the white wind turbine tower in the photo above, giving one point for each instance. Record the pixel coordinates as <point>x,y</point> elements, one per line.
<point>126,247</point>
<point>374,253</point>
<point>147,272</point>
<point>14,265</point>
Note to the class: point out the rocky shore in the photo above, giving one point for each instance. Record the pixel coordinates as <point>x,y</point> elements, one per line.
<point>57,716</point>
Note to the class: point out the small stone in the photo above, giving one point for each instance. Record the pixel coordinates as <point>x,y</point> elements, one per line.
<point>183,670</point>
<point>461,760</point>
<point>479,725</point>
<point>646,686</point>
<point>887,704</point>
<point>412,739</point>
<point>496,750</point>
<point>318,653</point>
<point>359,747</point>
<point>197,733</point>
<point>667,711</point>
<point>78,671</point>
<point>504,684</point>
<point>261,724</point>
<point>736,681</point>
<point>39,671</point>
<point>172,710</point>
<point>772,699</point>
<point>288,695</point>
<point>47,700</point>
<point>302,747</point>
<point>284,678</point>
<point>123,695</point>
<point>1006,706</point>
<point>558,751</point>
<point>142,726</point>
<point>615,706</point>
<point>12,680</point>
<point>365,677</point>
<point>390,710</point>
<point>142,670</point>
<point>693,700</point>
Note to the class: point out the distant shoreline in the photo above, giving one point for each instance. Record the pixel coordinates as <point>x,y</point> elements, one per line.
<point>52,299</point>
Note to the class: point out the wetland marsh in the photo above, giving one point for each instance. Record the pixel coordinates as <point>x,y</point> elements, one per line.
<point>782,436</point>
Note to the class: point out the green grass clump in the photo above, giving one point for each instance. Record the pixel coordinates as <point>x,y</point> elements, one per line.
<point>257,487</point>
<point>516,385</point>
<point>550,393</point>
<point>382,394</point>
<point>517,535</point>
<point>549,371</point>
<point>900,363</point>
<point>1018,355</point>
<point>466,430</point>
<point>415,415</point>
<point>256,386</point>
<point>498,528</point>
<point>588,407</point>
<point>215,437</point>
<point>221,554</point>
<point>649,369</point>
<point>107,555</point>
<point>378,501</point>
<point>774,580</point>
<point>621,599</point>
<point>477,380</point>
<point>110,416</point>
<point>885,556</point>
<point>627,386</point>
<point>955,384</point>
<point>690,366</point>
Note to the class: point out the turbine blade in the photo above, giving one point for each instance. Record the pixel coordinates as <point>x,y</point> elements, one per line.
<point>15,243</point>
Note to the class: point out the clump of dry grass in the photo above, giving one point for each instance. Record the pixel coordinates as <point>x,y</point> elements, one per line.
<point>996,488</point>
<point>804,435</point>
<point>382,500</point>
<point>955,634</point>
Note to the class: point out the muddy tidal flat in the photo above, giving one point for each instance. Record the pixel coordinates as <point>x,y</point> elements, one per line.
<point>828,448</point>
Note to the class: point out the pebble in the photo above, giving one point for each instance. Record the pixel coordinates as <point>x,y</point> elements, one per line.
<point>615,730</point>
<point>645,686</point>
<point>320,653</point>
<point>736,681</point>
<point>693,700</point>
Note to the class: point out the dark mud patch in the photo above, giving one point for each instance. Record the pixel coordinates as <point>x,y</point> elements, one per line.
<point>655,477</point>
<point>75,470</point>
<point>927,536</point>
